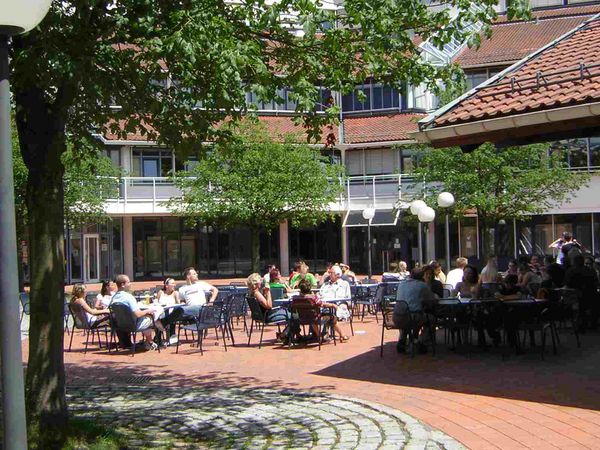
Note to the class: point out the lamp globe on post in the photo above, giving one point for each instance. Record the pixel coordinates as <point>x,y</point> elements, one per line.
<point>446,200</point>
<point>368,214</point>
<point>416,206</point>
<point>16,17</point>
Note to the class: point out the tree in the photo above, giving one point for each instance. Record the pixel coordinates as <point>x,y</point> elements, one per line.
<point>175,69</point>
<point>510,183</point>
<point>256,182</point>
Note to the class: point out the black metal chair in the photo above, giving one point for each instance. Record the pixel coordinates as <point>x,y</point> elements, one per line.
<point>81,322</point>
<point>305,313</point>
<point>387,312</point>
<point>531,317</point>
<point>211,316</point>
<point>122,320</point>
<point>239,309</point>
<point>257,315</point>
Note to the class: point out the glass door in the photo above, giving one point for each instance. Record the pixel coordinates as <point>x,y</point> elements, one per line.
<point>91,258</point>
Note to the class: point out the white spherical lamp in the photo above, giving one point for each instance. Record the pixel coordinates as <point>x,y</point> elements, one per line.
<point>445,200</point>
<point>426,214</point>
<point>416,206</point>
<point>368,213</point>
<point>17,17</point>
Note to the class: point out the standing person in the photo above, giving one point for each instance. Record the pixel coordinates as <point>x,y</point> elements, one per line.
<point>142,316</point>
<point>194,292</point>
<point>564,245</point>
<point>455,276</point>
<point>419,298</point>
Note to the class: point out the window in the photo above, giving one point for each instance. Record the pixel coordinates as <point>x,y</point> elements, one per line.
<point>354,162</point>
<point>375,97</point>
<point>114,154</point>
<point>381,161</point>
<point>287,104</point>
<point>595,152</point>
<point>544,3</point>
<point>152,163</point>
<point>474,79</point>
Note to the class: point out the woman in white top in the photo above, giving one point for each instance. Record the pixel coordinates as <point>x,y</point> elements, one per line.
<point>104,298</point>
<point>168,296</point>
<point>92,315</point>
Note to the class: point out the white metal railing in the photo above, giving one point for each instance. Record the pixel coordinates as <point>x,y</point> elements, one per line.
<point>375,189</point>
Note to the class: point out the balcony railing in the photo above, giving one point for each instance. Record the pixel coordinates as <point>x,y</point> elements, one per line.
<point>375,190</point>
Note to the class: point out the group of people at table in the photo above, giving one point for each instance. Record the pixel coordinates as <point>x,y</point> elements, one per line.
<point>528,277</point>
<point>172,305</point>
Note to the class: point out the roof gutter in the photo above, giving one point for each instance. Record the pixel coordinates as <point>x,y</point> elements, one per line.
<point>558,115</point>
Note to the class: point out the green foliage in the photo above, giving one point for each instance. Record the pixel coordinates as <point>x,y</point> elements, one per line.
<point>90,179</point>
<point>256,182</point>
<point>499,184</point>
<point>160,59</point>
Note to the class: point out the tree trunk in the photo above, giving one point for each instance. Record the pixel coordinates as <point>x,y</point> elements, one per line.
<point>255,248</point>
<point>486,242</point>
<point>42,148</point>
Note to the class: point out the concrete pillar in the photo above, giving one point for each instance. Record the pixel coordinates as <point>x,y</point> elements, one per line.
<point>284,248</point>
<point>345,246</point>
<point>128,246</point>
<point>430,242</point>
<point>126,158</point>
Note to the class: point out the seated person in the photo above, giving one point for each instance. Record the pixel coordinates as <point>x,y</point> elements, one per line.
<point>347,274</point>
<point>509,289</point>
<point>393,274</point>
<point>419,298</point>
<point>435,285</point>
<point>94,316</point>
<point>195,292</point>
<point>325,275</point>
<point>469,286</point>
<point>168,297</point>
<point>272,314</point>
<point>277,281</point>
<point>143,317</point>
<point>527,278</point>
<point>335,287</point>
<point>301,275</point>
<point>438,272</point>
<point>306,294</point>
<point>105,296</point>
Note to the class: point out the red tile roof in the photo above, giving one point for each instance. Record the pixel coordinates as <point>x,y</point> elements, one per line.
<point>513,41</point>
<point>279,127</point>
<point>381,128</point>
<point>560,11</point>
<point>519,91</point>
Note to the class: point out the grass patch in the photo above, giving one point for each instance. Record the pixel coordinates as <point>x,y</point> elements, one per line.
<point>88,434</point>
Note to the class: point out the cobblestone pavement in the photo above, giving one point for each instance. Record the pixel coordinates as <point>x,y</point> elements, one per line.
<point>204,417</point>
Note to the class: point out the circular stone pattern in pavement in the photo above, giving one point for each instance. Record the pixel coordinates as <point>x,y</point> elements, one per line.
<point>202,417</point>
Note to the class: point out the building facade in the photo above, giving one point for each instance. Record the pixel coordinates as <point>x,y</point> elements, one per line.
<point>145,240</point>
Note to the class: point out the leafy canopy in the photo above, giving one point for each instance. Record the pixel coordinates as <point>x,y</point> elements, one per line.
<point>507,183</point>
<point>178,67</point>
<point>256,182</point>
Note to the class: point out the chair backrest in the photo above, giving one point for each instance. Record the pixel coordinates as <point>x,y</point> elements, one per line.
<point>256,311</point>
<point>239,305</point>
<point>387,313</point>
<point>121,317</point>
<point>238,283</point>
<point>90,298</point>
<point>211,314</point>
<point>24,299</point>
<point>79,317</point>
<point>305,312</point>
<point>277,293</point>
<point>447,292</point>
<point>448,286</point>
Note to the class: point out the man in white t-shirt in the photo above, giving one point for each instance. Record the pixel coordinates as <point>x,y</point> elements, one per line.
<point>195,291</point>
<point>455,276</point>
<point>335,287</point>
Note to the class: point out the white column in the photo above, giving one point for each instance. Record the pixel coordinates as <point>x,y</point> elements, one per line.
<point>345,247</point>
<point>128,246</point>
<point>284,248</point>
<point>126,158</point>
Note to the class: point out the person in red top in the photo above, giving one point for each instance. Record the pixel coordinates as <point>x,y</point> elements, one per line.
<point>305,287</point>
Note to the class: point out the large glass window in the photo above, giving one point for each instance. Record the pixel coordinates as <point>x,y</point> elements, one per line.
<point>374,97</point>
<point>544,3</point>
<point>152,163</point>
<point>595,152</point>
<point>316,245</point>
<point>474,79</point>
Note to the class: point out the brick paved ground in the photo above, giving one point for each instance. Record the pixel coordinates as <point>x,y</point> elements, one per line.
<point>479,399</point>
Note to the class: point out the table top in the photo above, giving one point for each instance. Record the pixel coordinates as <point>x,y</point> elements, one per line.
<point>477,301</point>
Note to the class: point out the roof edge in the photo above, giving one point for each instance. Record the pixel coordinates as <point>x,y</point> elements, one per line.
<point>427,121</point>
